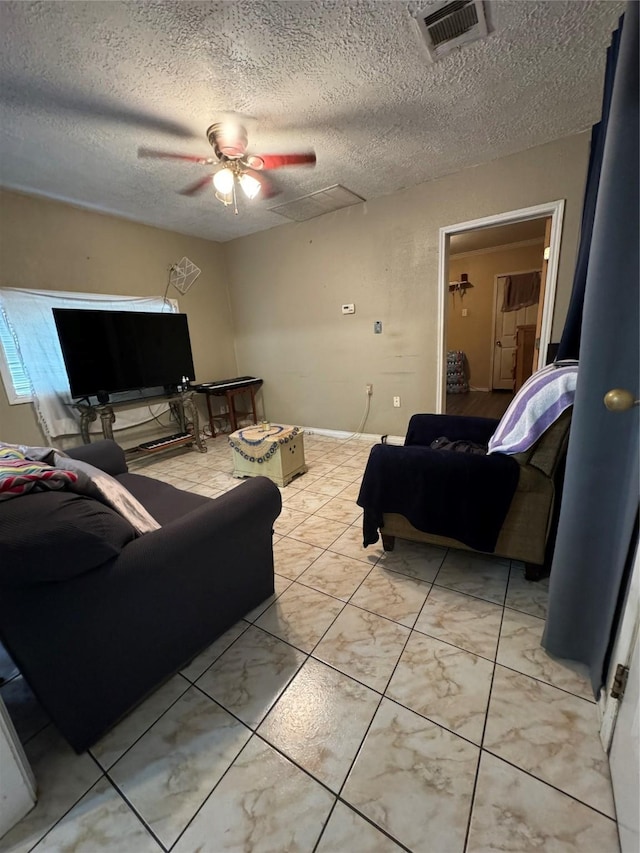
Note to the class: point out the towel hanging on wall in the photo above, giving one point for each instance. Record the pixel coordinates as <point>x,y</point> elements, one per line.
<point>520,291</point>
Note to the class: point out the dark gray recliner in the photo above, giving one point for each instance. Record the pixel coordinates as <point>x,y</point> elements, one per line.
<point>97,618</point>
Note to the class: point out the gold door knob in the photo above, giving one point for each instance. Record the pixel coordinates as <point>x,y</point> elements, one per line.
<point>620,400</point>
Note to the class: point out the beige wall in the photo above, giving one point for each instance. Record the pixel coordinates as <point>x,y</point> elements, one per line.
<point>287,286</point>
<point>52,246</point>
<point>474,333</point>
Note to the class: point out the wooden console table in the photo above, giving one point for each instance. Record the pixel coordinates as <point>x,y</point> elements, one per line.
<point>181,405</point>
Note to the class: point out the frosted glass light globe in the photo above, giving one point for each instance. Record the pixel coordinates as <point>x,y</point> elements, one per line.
<point>223,181</point>
<point>250,186</point>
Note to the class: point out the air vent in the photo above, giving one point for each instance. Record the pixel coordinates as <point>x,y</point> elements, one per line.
<point>315,204</point>
<point>448,26</point>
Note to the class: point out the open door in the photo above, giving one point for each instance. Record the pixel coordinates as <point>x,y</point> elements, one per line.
<point>505,328</point>
<point>620,721</point>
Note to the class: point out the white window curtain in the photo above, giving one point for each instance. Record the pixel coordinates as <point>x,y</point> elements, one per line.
<point>29,318</point>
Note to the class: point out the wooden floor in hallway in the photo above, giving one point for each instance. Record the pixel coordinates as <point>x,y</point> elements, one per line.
<point>479,404</point>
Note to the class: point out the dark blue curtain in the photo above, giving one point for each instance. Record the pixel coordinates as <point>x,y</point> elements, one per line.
<point>596,529</point>
<point>569,346</point>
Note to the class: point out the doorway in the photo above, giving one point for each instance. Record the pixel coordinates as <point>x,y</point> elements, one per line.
<point>489,344</point>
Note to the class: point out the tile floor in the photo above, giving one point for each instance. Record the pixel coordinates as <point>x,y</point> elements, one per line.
<point>379,702</point>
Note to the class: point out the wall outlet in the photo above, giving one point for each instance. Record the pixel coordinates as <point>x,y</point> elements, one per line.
<point>377,327</point>
<point>349,309</point>
<point>465,312</point>
<point>396,402</point>
<point>369,390</point>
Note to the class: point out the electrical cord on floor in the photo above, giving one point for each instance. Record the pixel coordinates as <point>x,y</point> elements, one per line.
<point>367,409</point>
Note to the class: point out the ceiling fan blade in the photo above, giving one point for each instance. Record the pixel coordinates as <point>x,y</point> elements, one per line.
<point>40,95</point>
<point>198,186</point>
<point>277,161</point>
<point>170,155</point>
<point>267,188</point>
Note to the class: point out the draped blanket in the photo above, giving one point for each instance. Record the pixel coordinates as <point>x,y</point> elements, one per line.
<point>538,404</point>
<point>54,469</point>
<point>459,495</point>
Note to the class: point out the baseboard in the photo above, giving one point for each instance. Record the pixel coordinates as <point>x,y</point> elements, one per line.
<point>360,436</point>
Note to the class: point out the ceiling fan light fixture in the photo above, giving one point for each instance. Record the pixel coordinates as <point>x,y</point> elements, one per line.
<point>225,198</point>
<point>250,186</point>
<point>223,181</point>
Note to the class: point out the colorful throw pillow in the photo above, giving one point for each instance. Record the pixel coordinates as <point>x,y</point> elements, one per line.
<point>19,475</point>
<point>537,405</point>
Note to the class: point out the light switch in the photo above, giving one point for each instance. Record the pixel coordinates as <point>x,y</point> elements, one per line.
<point>465,312</point>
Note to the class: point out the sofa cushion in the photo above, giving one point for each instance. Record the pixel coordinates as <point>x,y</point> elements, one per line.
<point>162,500</point>
<point>53,536</point>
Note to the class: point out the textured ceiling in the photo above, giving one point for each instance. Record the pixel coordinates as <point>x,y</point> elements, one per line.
<point>85,83</point>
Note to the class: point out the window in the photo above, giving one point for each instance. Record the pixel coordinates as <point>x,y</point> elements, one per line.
<point>16,381</point>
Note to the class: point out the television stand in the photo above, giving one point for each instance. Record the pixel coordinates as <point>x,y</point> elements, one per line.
<point>181,404</point>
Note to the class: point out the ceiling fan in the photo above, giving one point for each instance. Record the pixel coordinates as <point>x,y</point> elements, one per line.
<point>235,167</point>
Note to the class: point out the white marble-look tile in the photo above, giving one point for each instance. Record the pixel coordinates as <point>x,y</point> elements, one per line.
<point>350,544</point>
<point>393,595</point>
<point>100,823</point>
<point>288,520</point>
<point>529,596</point>
<point>292,557</point>
<point>318,469</point>
<point>364,646</point>
<point>348,832</point>
<point>305,501</point>
<point>551,734</point>
<point>62,778</point>
<point>474,575</point>
<point>514,812</point>
<point>462,620</point>
<point>415,780</point>
<point>201,489</point>
<point>320,721</point>
<point>341,510</point>
<point>350,492</point>
<point>317,531</point>
<point>203,661</point>
<point>300,616</point>
<point>248,678</point>
<point>329,486</point>
<point>335,574</point>
<point>172,769</point>
<point>116,741</point>
<point>280,584</point>
<point>519,648</point>
<point>415,559</point>
<point>264,804</point>
<point>347,475</point>
<point>445,684</point>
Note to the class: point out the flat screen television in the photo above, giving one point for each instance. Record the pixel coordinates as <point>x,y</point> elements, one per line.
<point>106,352</point>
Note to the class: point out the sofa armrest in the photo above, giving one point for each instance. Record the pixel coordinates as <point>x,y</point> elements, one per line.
<point>104,454</point>
<point>423,429</point>
<point>217,530</point>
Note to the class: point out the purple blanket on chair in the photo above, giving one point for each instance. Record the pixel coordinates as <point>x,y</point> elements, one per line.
<point>462,496</point>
